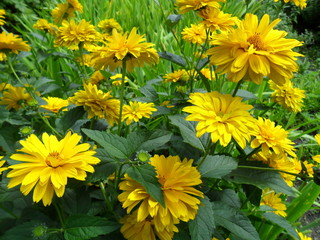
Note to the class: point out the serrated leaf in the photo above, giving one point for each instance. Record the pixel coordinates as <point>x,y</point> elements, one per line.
<point>217,166</point>
<point>149,91</point>
<point>281,222</point>
<point>87,227</point>
<point>76,202</point>
<point>70,118</point>
<point>20,232</point>
<point>173,58</point>
<point>234,220</point>
<point>155,140</point>
<point>187,131</point>
<point>228,196</point>
<point>202,227</point>
<point>146,176</point>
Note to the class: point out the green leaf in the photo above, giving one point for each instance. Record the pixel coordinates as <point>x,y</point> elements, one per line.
<point>281,222</point>
<point>70,118</point>
<point>228,196</point>
<point>76,202</point>
<point>202,227</point>
<point>146,176</point>
<point>20,232</point>
<point>86,227</point>
<point>9,194</point>
<point>187,131</point>
<point>173,58</point>
<point>173,19</point>
<point>155,140</point>
<point>115,145</point>
<point>217,166</point>
<point>234,220</point>
<point>246,95</point>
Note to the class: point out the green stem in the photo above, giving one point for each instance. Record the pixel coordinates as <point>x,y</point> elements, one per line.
<point>60,215</point>
<point>237,88</point>
<point>105,197</point>
<point>45,120</point>
<point>269,107</point>
<point>82,61</point>
<point>124,69</point>
<point>210,148</point>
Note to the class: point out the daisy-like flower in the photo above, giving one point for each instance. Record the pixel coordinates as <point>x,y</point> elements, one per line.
<point>317,157</point>
<point>287,96</point>
<point>10,43</point>
<point>132,48</point>
<point>137,110</point>
<point>44,25</point>
<point>135,230</point>
<point>299,3</point>
<point>302,236</point>
<point>15,97</point>
<point>273,200</point>
<point>215,19</point>
<point>117,79</point>
<point>47,165</point>
<point>1,164</point>
<point>223,116</point>
<point>107,25</point>
<point>272,137</point>
<point>195,34</point>
<point>189,5</point>
<point>54,104</point>
<point>97,103</point>
<point>255,50</point>
<point>2,17</point>
<point>96,78</point>
<point>178,75</point>
<point>208,73</point>
<point>177,179</point>
<point>72,34</point>
<point>66,10</point>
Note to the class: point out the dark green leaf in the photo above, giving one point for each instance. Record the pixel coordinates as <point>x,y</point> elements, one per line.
<point>8,194</point>
<point>76,202</point>
<point>150,92</point>
<point>146,176</point>
<point>246,95</point>
<point>86,227</point>
<point>20,232</point>
<point>155,140</point>
<point>228,196</point>
<point>173,19</point>
<point>202,227</point>
<point>173,58</point>
<point>234,220</point>
<point>70,118</point>
<point>217,166</point>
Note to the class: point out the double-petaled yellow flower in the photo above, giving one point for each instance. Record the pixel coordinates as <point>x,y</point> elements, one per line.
<point>10,43</point>
<point>189,5</point>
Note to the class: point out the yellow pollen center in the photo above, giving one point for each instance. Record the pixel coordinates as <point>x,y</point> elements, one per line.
<point>256,41</point>
<point>54,159</point>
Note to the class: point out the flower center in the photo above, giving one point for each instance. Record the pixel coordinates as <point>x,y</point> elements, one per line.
<point>256,41</point>
<point>54,159</point>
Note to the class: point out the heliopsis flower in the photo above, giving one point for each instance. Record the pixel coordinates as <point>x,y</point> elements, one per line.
<point>215,19</point>
<point>269,136</point>
<point>287,96</point>
<point>195,34</point>
<point>97,103</point>
<point>132,48</point>
<point>208,73</point>
<point>54,104</point>
<point>134,230</point>
<point>44,25</point>
<point>66,10</point>
<point>177,179</point>
<point>189,5</point>
<point>96,78</point>
<point>4,86</point>
<point>2,17</point>
<point>15,97</point>
<point>107,25</point>
<point>1,164</point>
<point>223,116</point>
<point>137,110</point>
<point>117,79</point>
<point>299,3</point>
<point>302,236</point>
<point>317,157</point>
<point>178,75</point>
<point>11,43</point>
<point>255,50</point>
<point>273,200</point>
<point>47,165</point>
<point>72,34</point>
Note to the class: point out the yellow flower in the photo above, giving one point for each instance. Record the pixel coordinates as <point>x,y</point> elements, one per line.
<point>66,10</point>
<point>195,34</point>
<point>223,116</point>
<point>189,5</point>
<point>299,3</point>
<point>15,97</point>
<point>54,104</point>
<point>47,165</point>
<point>137,110</point>
<point>11,43</point>
<point>131,48</point>
<point>255,50</point>
<point>1,164</point>
<point>178,75</point>
<point>71,34</point>
<point>134,230</point>
<point>273,200</point>
<point>215,19</point>
<point>107,25</point>
<point>208,73</point>
<point>317,157</point>
<point>2,17</point>
<point>117,79</point>
<point>287,96</point>
<point>177,179</point>
<point>96,78</point>
<point>302,236</point>
<point>4,86</point>
<point>269,136</point>
<point>97,103</point>
<point>43,24</point>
